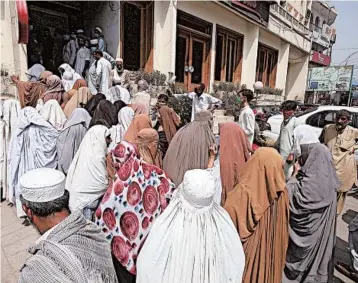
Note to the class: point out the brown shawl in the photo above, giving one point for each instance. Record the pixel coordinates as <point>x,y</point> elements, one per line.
<point>30,92</point>
<point>189,148</point>
<point>80,98</point>
<point>169,121</point>
<point>44,75</point>
<point>54,90</point>
<point>147,141</point>
<point>259,208</point>
<point>79,83</point>
<point>139,109</point>
<point>139,122</point>
<point>234,152</point>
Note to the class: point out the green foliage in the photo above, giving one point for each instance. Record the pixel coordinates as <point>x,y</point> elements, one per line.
<point>182,105</point>
<point>231,103</point>
<point>154,78</point>
<point>226,86</point>
<point>269,90</point>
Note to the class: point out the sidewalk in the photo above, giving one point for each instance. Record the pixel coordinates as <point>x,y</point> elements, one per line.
<point>16,239</point>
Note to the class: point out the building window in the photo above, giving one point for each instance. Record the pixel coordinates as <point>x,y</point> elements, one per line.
<point>266,66</point>
<point>317,24</point>
<point>228,58</point>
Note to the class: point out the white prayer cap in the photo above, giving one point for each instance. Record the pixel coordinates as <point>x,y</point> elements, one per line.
<point>98,29</point>
<point>94,41</point>
<point>80,31</point>
<point>119,60</point>
<point>42,185</point>
<point>198,188</point>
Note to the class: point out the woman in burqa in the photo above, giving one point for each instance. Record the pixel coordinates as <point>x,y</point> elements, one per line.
<point>93,102</point>
<point>104,115</point>
<point>312,196</point>
<point>189,149</point>
<point>258,207</point>
<point>139,123</point>
<point>147,141</point>
<point>55,90</point>
<point>78,100</point>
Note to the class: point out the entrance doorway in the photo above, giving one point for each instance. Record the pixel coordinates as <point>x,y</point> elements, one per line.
<point>192,62</point>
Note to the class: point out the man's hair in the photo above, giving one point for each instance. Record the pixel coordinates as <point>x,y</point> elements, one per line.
<point>202,85</point>
<point>44,209</point>
<point>163,97</point>
<point>99,52</point>
<point>248,94</point>
<point>344,113</point>
<point>289,105</point>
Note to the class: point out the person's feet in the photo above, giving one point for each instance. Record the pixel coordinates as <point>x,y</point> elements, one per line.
<point>346,270</point>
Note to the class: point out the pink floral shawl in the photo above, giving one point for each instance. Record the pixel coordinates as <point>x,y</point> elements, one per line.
<point>136,196</point>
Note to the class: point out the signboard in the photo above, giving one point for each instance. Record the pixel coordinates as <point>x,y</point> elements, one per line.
<point>336,78</point>
<point>258,11</point>
<point>320,58</point>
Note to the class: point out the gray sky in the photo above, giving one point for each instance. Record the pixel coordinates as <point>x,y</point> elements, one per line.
<point>347,34</point>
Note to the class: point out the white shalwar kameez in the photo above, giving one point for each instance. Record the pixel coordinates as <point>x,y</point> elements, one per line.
<point>99,76</point>
<point>193,240</point>
<point>83,55</point>
<point>33,146</point>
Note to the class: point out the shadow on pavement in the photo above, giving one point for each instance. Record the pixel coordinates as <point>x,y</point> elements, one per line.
<point>349,215</point>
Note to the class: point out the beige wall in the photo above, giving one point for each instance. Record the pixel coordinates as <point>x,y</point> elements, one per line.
<point>297,79</point>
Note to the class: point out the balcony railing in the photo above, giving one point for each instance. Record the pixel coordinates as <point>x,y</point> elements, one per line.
<point>281,12</point>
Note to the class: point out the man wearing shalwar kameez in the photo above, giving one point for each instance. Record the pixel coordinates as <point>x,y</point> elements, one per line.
<point>99,74</point>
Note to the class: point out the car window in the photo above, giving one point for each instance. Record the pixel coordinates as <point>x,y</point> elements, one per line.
<point>321,119</point>
<point>354,120</point>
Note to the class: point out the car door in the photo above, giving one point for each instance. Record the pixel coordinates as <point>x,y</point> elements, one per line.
<point>319,120</point>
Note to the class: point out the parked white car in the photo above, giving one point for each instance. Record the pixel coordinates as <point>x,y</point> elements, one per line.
<point>317,118</point>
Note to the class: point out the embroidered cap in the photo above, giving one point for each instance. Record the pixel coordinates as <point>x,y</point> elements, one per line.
<point>42,185</point>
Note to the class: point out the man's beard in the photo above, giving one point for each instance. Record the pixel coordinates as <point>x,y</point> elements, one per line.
<point>120,69</point>
<point>341,127</point>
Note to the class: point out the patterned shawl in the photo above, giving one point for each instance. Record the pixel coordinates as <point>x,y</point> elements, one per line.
<point>135,197</point>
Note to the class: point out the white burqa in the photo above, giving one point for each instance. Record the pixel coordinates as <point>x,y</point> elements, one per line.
<point>69,81</point>
<point>99,76</point>
<point>53,113</point>
<point>33,146</point>
<point>9,110</point>
<point>125,118</point>
<point>193,240</point>
<point>303,134</point>
<point>118,93</point>
<point>87,176</point>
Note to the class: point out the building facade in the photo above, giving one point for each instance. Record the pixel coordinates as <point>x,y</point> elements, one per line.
<point>197,41</point>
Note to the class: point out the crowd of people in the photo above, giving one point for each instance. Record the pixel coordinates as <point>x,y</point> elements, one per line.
<point>120,196</point>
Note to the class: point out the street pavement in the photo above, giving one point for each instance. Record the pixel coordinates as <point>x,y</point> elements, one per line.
<point>16,239</point>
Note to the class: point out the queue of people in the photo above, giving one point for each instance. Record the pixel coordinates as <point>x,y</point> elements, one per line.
<point>119,199</point>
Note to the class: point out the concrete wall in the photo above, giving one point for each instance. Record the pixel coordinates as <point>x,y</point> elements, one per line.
<point>165,24</point>
<point>109,22</point>
<point>297,79</point>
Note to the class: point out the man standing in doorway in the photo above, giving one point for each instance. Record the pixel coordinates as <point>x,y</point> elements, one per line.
<point>119,74</point>
<point>99,74</point>
<point>69,50</point>
<point>83,58</point>
<point>247,116</point>
<point>101,43</point>
<point>285,141</point>
<point>341,140</point>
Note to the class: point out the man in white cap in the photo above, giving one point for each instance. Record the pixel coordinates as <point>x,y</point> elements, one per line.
<point>69,50</point>
<point>120,75</point>
<point>94,46</point>
<point>101,43</point>
<point>83,58</point>
<point>70,248</point>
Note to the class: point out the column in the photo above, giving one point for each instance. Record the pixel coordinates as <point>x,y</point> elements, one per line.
<point>212,58</point>
<point>251,41</point>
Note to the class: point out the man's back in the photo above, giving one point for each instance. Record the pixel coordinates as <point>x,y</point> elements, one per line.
<point>72,251</point>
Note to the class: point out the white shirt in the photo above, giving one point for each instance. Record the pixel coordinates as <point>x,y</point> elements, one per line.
<point>247,122</point>
<point>83,55</point>
<point>204,102</point>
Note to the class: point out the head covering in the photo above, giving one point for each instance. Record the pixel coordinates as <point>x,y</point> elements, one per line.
<point>234,152</point>
<point>104,114</point>
<point>313,206</point>
<point>79,99</point>
<point>93,102</point>
<point>69,77</point>
<point>195,234</point>
<point>139,109</point>
<point>79,83</point>
<point>94,42</point>
<point>303,134</point>
<point>80,31</point>
<point>189,149</point>
<point>113,94</point>
<point>147,141</point>
<point>98,29</point>
<point>170,121</point>
<point>30,92</point>
<point>54,90</point>
<point>34,146</point>
<point>71,137</point>
<point>42,185</point>
<point>139,122</point>
<point>119,60</point>
<point>44,75</point>
<point>87,176</point>
<point>134,199</point>
<point>52,113</point>
<point>34,72</point>
<point>258,206</point>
